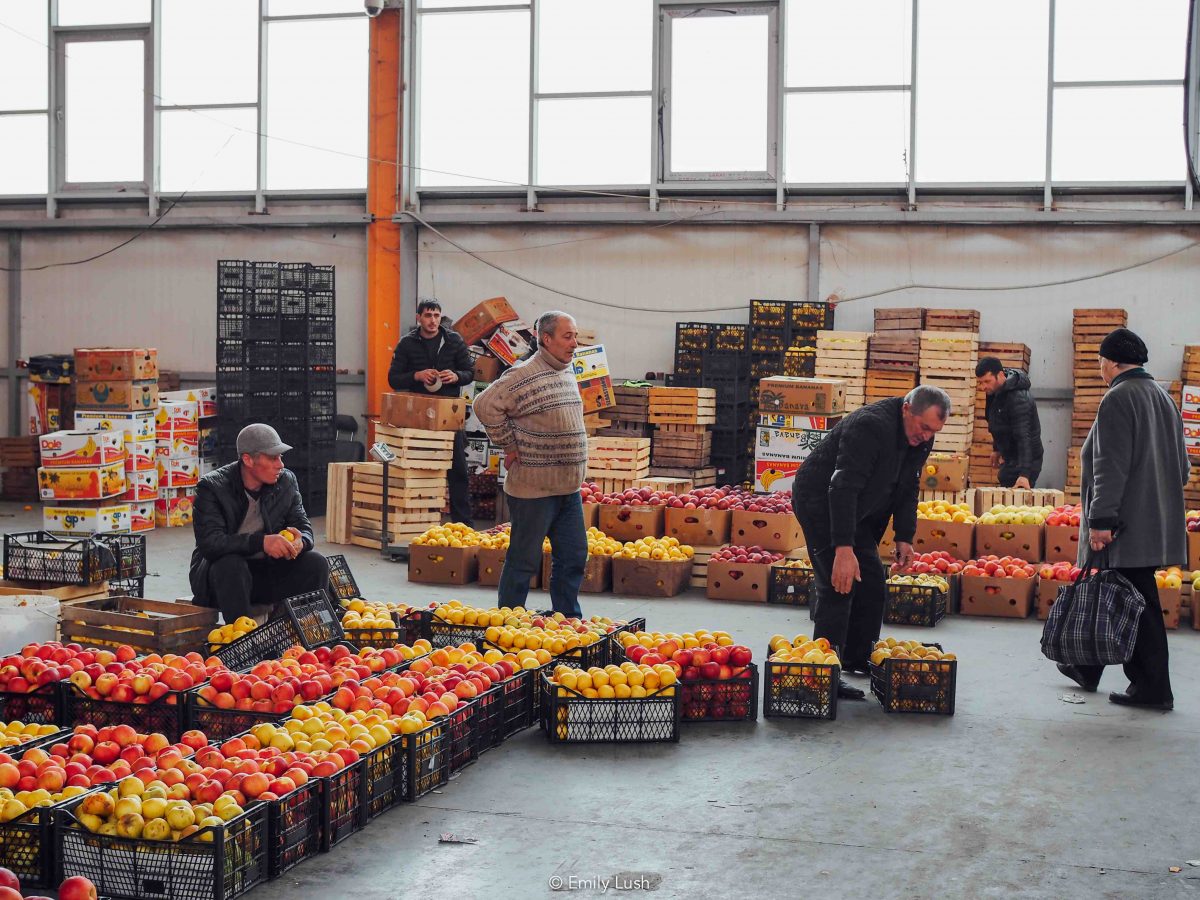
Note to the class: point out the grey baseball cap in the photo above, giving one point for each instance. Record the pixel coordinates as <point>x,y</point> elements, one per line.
<point>260,438</point>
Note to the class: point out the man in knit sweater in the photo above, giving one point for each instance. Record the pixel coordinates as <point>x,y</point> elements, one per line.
<point>534,414</point>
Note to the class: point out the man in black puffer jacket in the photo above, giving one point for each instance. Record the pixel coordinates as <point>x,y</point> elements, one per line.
<point>434,359</point>
<point>1012,419</point>
<point>864,473</point>
<point>241,514</point>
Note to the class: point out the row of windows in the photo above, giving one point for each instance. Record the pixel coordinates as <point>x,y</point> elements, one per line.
<point>561,92</point>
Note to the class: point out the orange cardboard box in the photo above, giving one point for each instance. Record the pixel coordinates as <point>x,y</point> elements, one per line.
<point>948,474</point>
<point>81,448</point>
<point>597,574</point>
<point>117,395</point>
<point>1170,600</point>
<point>443,565</point>
<point>738,581</point>
<point>771,531</point>
<point>484,318</point>
<point>82,483</point>
<point>405,410</point>
<point>108,364</point>
<point>1047,593</point>
<point>698,527</point>
<point>1023,541</point>
<point>1193,550</point>
<point>1061,543</point>
<point>630,523</point>
<point>1006,597</point>
<point>956,538</point>
<point>591,515</point>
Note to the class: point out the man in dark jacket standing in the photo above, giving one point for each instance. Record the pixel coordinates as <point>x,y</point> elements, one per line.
<point>434,359</point>
<point>1012,419</point>
<point>253,537</point>
<point>864,473</point>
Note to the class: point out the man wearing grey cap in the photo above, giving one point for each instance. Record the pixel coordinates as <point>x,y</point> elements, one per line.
<point>253,538</point>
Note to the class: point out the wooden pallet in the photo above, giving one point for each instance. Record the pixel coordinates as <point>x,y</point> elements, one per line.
<point>912,318</point>
<point>952,320</point>
<point>610,457</point>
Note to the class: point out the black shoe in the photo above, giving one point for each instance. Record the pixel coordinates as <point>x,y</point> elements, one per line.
<point>1122,698</point>
<point>849,692</point>
<point>1077,676</point>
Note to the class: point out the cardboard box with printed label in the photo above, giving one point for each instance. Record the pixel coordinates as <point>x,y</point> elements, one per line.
<point>139,455</point>
<point>630,523</point>
<point>141,516</point>
<point>1061,543</point>
<point>482,319</point>
<point>471,423</point>
<point>443,565</point>
<point>106,518</point>
<point>508,345</point>
<point>174,507</point>
<point>174,472</point>
<point>945,473</point>
<point>738,581</point>
<point>178,415</point>
<point>117,395</point>
<point>771,531</point>
<point>798,422</point>
<point>205,399</point>
<point>808,396</point>
<point>137,426</point>
<point>140,486</point>
<point>1009,598</point>
<point>404,410</point>
<point>93,483</point>
<point>178,445</point>
<point>698,527</point>
<point>955,538</point>
<point>597,394</point>
<point>1023,541</point>
<point>590,362</point>
<point>81,448</point>
<point>778,454</point>
<point>108,364</point>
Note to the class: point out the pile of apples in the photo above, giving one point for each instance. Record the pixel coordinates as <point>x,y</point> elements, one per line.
<point>552,640</point>
<point>41,664</point>
<point>1016,515</point>
<point>636,497</point>
<point>626,681</point>
<point>227,634</point>
<point>136,810</point>
<point>743,555</point>
<point>360,615</point>
<point>657,641</point>
<point>708,498</point>
<point>589,492</point>
<point>14,734</point>
<point>600,544</point>
<point>665,549</point>
<point>74,888</point>
<point>923,580</point>
<point>890,648</point>
<point>1193,520</point>
<point>1068,514</point>
<point>999,567</point>
<point>496,539</point>
<point>1059,571</point>
<point>1169,578</point>
<point>943,511</point>
<point>93,756</point>
<point>454,534</point>
<point>778,502</point>
<point>802,649</point>
<point>936,562</point>
<point>146,679</point>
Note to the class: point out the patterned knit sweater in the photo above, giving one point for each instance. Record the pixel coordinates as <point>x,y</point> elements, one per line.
<point>535,406</point>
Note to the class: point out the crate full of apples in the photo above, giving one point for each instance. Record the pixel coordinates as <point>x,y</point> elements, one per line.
<point>791,583</point>
<point>627,704</point>
<point>1012,531</point>
<point>801,679</point>
<point>701,517</point>
<point>1169,582</point>
<point>1051,578</point>
<point>32,680</point>
<point>717,678</point>
<point>913,677</point>
<point>916,599</point>
<point>997,586</point>
<point>1062,533</point>
<point>741,573</point>
<point>945,526</point>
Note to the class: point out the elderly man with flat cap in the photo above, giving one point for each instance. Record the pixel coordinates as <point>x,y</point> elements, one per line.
<point>254,542</point>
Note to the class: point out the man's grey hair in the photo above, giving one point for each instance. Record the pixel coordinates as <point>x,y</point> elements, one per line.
<point>547,322</point>
<point>924,396</point>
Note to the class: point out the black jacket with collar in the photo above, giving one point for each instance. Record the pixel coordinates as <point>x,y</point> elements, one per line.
<point>862,474</point>
<point>220,507</point>
<point>412,354</point>
<point>1016,430</point>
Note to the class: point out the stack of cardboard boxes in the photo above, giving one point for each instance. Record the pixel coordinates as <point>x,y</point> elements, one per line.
<point>179,452</point>
<point>795,415</point>
<point>1189,402</point>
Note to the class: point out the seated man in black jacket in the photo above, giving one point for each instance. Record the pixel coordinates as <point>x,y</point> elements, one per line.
<point>1012,418</point>
<point>865,472</point>
<point>434,359</point>
<point>253,538</point>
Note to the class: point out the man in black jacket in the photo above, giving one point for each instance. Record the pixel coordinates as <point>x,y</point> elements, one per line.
<point>253,537</point>
<point>864,473</point>
<point>434,359</point>
<point>1012,419</point>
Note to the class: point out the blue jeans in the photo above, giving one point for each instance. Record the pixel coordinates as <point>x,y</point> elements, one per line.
<point>560,519</point>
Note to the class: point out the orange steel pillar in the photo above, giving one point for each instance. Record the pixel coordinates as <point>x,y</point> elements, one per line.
<point>384,173</point>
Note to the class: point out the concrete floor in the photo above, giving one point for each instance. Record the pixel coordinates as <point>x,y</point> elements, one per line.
<point>1017,794</point>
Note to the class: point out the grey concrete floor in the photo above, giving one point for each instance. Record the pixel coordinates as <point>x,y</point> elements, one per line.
<point>1017,794</point>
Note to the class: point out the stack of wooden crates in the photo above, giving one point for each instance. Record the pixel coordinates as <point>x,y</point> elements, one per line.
<point>682,443</point>
<point>948,359</point>
<point>843,355</point>
<point>894,353</point>
<point>1088,328</point>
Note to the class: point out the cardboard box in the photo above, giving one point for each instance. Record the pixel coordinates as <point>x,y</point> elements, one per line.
<point>809,396</point>
<point>482,319</point>
<point>945,473</point>
<point>177,445</point>
<point>1005,597</point>
<point>117,395</point>
<point>1193,544</point>
<point>48,407</point>
<point>405,410</point>
<point>140,486</point>
<point>1047,593</point>
<point>1023,541</point>
<point>771,531</point>
<point>81,449</point>
<point>772,475</point>
<point>591,515</point>
<point>139,455</point>
<point>778,454</point>
<point>956,538</point>
<point>94,483</point>
<point>136,426</point>
<point>508,346</point>
<point>650,577</point>
<point>490,563</point>
<point>597,575</point>
<point>798,423</point>
<point>698,527</point>
<point>173,509</point>
<point>1060,543</point>
<point>174,472</point>
<point>177,415</point>
<point>738,581</point>
<point>107,364</point>
<point>487,368</point>
<point>141,516</point>
<point>205,398</point>
<point>590,362</point>
<point>630,523</point>
<point>597,393</point>
<point>887,543</point>
<point>1170,599</point>
<point>105,518</point>
<point>443,565</point>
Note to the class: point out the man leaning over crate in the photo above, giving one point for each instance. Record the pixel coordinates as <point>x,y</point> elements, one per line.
<point>864,473</point>
<point>254,543</point>
<point>534,414</point>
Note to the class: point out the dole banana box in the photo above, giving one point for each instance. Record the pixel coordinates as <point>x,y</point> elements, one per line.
<point>81,448</point>
<point>106,518</point>
<point>205,398</point>
<point>178,445</point>
<point>139,455</point>
<point>177,415</point>
<point>96,483</point>
<point>117,395</point>
<point>137,426</point>
<point>141,486</point>
<point>174,472</point>
<point>173,509</point>
<point>141,516</point>
<point>116,364</point>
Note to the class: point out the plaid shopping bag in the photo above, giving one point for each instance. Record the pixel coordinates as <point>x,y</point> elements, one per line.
<point>1094,621</point>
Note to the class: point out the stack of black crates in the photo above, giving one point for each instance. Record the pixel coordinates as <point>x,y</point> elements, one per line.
<point>780,340</point>
<point>275,363</point>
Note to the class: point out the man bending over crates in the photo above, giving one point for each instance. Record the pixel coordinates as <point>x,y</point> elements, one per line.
<point>534,414</point>
<point>254,543</point>
<point>864,473</point>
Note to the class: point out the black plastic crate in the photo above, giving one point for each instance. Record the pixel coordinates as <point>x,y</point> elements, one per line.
<point>294,827</point>
<point>293,277</point>
<point>768,340</point>
<point>568,717</point>
<point>725,366</point>
<point>321,278</point>
<point>167,715</point>
<point>321,303</point>
<point>595,655</point>
<point>314,618</point>
<point>730,394</point>
<point>916,685</point>
<point>799,365</point>
<point>446,634</point>
<point>127,587</point>
<point>688,363</point>
<point>231,273</point>
<point>41,556</point>
<point>730,338</point>
<point>800,690</point>
<point>341,580</point>
<point>922,605</point>
<point>424,760</point>
<point>383,778</point>
<point>633,626</point>
<point>729,700</point>
<point>262,354</point>
<point>314,403</point>
<point>343,811</point>
<point>27,846</point>
<point>267,641</point>
<point>307,328</point>
<point>505,709</point>
<point>693,336</point>
<point>462,747</point>
<point>214,863</point>
<point>373,637</point>
<point>221,724</point>
<point>790,585</point>
<point>265,276</point>
<point>807,314</point>
<point>232,301</point>
<point>231,355</point>
<point>415,624</point>
<point>769,313</point>
<point>43,705</point>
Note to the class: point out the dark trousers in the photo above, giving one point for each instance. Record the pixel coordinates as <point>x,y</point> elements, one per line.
<point>1146,670</point>
<point>1008,476</point>
<point>850,622</point>
<point>560,519</point>
<point>458,479</point>
<point>235,581</point>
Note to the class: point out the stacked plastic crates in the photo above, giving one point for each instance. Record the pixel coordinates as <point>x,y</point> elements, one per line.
<point>726,369</point>
<point>275,363</point>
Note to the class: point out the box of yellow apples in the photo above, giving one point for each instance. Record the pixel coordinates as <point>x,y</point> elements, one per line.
<point>625,704</point>
<point>652,567</point>
<point>945,526</point>
<point>912,677</point>
<point>801,679</point>
<point>445,554</point>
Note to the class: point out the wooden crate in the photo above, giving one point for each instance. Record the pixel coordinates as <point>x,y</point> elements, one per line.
<point>947,496</point>
<point>700,558</point>
<point>1189,372</point>
<point>632,404</point>
<point>888,384</point>
<point>683,406</point>
<point>952,320</point>
<point>681,449</point>
<point>705,476</point>
<point>981,499</point>
<point>673,485</point>
<point>611,457</point>
<point>909,319</point>
<point>896,351</point>
<point>612,485</point>
<point>20,452</point>
<point>418,488</point>
<point>416,448</point>
<point>1011,355</point>
<point>149,626</point>
<point>949,353</point>
<point>1090,326</point>
<point>339,486</point>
